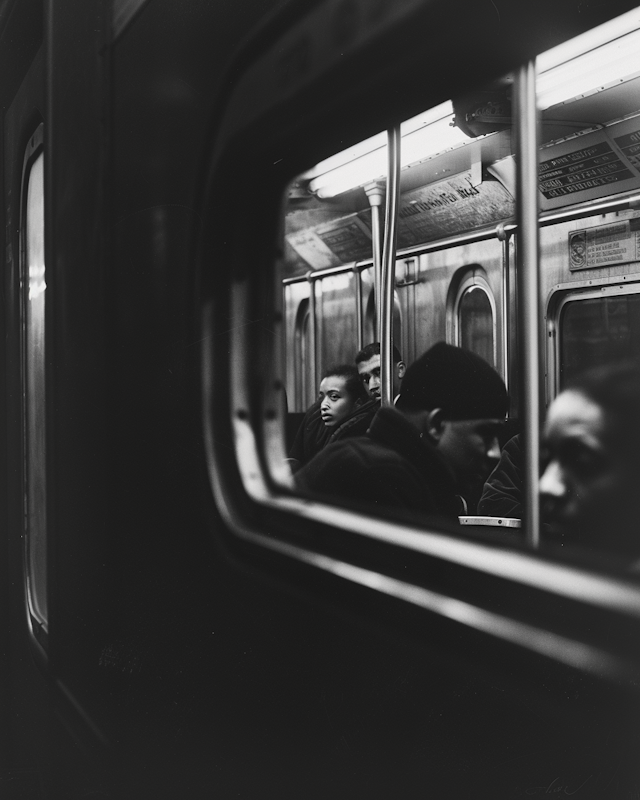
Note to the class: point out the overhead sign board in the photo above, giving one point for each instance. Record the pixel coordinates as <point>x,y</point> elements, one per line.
<point>582,170</point>
<point>591,166</point>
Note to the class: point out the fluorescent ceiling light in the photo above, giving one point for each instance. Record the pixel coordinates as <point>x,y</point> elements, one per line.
<point>597,59</point>
<point>423,136</point>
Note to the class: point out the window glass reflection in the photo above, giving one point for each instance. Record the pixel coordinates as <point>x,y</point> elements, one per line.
<point>34,364</point>
<point>598,331</point>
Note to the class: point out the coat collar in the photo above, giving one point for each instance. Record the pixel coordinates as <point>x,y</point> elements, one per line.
<point>392,429</point>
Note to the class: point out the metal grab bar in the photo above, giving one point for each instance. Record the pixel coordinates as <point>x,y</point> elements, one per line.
<point>375,193</point>
<point>389,267</point>
<point>528,271</point>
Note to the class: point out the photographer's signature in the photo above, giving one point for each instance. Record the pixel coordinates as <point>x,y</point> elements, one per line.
<point>557,786</point>
<point>593,786</point>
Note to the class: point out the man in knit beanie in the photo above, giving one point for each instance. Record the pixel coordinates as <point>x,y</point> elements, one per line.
<point>430,452</point>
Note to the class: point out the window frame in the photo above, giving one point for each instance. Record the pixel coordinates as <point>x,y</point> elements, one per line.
<point>239,301</point>
<point>266,515</point>
<point>576,291</point>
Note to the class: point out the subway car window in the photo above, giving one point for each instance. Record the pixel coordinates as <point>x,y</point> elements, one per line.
<point>595,331</point>
<point>33,288</point>
<point>303,395</point>
<point>435,446</point>
<point>376,266</point>
<point>476,321</point>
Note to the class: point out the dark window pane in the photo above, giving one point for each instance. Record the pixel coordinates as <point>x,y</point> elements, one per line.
<point>598,331</point>
<point>305,389</point>
<point>476,323</point>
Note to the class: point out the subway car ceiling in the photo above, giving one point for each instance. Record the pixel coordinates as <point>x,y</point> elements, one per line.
<point>587,111</point>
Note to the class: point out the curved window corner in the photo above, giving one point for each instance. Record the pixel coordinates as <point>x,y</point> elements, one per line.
<point>33,303</point>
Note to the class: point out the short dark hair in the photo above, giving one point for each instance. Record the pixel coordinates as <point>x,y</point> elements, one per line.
<point>352,382</point>
<point>373,349</point>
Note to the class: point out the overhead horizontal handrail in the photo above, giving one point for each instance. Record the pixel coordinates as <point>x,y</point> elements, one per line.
<point>316,274</point>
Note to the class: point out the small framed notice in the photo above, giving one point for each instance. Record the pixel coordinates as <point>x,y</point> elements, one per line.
<point>605,245</point>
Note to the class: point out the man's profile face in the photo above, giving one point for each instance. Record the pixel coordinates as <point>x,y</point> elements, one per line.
<point>369,372</point>
<point>585,487</point>
<point>471,448</point>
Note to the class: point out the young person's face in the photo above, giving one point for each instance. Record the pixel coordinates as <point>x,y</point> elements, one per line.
<point>369,372</point>
<point>586,488</point>
<point>336,403</point>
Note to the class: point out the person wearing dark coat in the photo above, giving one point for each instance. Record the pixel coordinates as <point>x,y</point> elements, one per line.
<point>502,493</point>
<point>441,441</point>
<point>310,438</point>
<point>313,434</point>
<point>342,409</point>
<point>392,466</point>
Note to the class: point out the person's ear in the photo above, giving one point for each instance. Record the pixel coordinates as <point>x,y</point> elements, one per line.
<point>435,424</point>
<point>402,368</point>
<point>359,402</point>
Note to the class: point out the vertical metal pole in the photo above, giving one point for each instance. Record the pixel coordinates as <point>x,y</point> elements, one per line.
<point>357,276</point>
<point>504,241</point>
<point>375,193</point>
<point>389,266</point>
<point>529,290</point>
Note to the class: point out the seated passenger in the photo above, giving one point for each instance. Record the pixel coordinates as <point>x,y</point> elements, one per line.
<point>502,493</point>
<point>368,364</point>
<point>439,444</point>
<point>589,488</point>
<point>342,409</point>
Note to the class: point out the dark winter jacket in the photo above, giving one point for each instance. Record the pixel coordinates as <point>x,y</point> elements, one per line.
<point>313,434</point>
<point>502,493</point>
<point>390,467</point>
